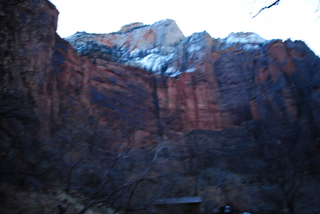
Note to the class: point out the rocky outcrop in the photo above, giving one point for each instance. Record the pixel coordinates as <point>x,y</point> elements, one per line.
<point>208,83</point>
<point>144,46</point>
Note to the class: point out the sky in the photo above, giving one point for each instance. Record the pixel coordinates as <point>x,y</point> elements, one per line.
<point>294,19</point>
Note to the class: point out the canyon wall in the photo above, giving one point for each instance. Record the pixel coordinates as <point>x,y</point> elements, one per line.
<point>147,85</point>
<point>213,84</point>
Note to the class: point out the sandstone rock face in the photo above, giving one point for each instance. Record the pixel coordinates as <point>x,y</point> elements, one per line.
<point>208,83</point>
<point>148,47</point>
<point>26,49</point>
<point>194,83</point>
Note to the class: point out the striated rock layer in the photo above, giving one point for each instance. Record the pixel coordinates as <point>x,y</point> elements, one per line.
<point>194,82</point>
<point>208,83</point>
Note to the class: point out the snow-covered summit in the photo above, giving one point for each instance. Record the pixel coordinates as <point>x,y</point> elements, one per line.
<point>241,37</point>
<point>160,48</point>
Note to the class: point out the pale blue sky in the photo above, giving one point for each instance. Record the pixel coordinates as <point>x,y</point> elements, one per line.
<point>295,19</point>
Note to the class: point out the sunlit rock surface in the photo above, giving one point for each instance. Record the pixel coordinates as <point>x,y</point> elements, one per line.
<point>150,47</point>
<point>160,48</point>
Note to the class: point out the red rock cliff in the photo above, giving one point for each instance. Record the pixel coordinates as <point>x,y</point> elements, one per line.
<point>193,83</point>
<point>211,84</point>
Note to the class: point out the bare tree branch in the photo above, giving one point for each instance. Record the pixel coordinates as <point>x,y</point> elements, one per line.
<point>267,7</point>
<point>96,197</point>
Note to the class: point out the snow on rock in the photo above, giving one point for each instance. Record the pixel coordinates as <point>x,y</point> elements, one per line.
<point>244,38</point>
<point>135,53</point>
<point>250,47</point>
<point>154,50</point>
<point>194,48</point>
<point>160,48</point>
<point>172,72</point>
<point>244,41</point>
<point>190,70</point>
<point>153,62</point>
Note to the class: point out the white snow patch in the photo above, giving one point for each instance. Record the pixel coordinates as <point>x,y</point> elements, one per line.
<point>157,63</point>
<point>135,53</point>
<point>177,73</point>
<point>154,50</point>
<point>152,62</point>
<point>250,47</point>
<point>190,70</point>
<point>193,48</point>
<point>172,72</point>
<point>244,38</point>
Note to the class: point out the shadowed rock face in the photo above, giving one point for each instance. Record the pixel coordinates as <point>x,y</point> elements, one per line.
<point>26,49</point>
<point>147,83</point>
